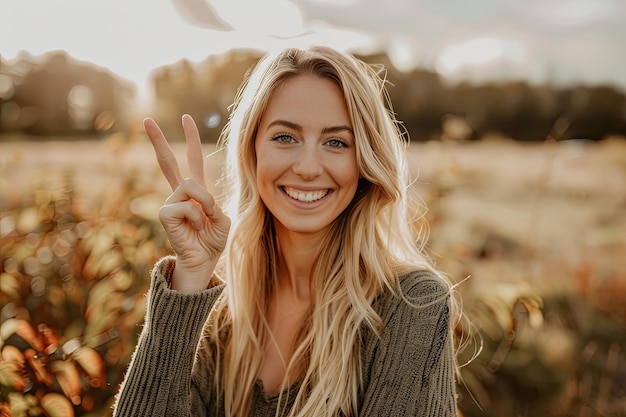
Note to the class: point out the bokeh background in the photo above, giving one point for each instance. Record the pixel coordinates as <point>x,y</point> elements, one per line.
<point>516,113</point>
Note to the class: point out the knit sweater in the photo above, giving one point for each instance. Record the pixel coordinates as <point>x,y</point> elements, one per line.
<point>408,370</point>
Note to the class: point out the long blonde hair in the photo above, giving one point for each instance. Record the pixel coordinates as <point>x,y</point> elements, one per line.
<point>365,251</point>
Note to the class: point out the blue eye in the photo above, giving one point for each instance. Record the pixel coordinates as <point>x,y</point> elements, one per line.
<point>337,143</point>
<point>283,138</point>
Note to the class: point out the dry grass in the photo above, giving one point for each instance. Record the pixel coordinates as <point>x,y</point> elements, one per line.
<point>540,229</point>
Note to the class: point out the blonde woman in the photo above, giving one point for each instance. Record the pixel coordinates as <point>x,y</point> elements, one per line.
<point>325,305</point>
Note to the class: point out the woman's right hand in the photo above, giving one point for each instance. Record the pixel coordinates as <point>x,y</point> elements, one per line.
<point>195,225</point>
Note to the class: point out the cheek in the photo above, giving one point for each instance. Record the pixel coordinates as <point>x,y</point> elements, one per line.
<point>266,175</point>
<point>263,171</point>
<point>350,174</point>
<point>260,167</point>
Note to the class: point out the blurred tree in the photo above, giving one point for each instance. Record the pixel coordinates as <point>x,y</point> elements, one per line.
<point>204,90</point>
<point>594,112</point>
<point>57,95</point>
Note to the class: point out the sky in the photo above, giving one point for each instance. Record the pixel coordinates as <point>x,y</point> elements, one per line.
<point>557,41</point>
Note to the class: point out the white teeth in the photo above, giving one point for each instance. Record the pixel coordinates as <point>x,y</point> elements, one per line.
<point>306,197</point>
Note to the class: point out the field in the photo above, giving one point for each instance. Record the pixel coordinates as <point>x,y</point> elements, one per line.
<point>535,234</point>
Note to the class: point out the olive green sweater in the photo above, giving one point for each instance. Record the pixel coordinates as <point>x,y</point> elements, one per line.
<point>407,371</point>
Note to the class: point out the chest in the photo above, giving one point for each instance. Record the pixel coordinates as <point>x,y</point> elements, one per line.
<point>279,367</point>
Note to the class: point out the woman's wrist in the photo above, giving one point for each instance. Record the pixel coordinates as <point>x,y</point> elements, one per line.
<point>190,281</point>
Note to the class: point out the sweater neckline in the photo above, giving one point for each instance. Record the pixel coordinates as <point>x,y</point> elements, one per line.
<point>273,398</point>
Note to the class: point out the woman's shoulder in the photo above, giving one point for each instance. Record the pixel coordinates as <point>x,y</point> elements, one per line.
<point>418,291</point>
<point>424,283</point>
<point>415,323</point>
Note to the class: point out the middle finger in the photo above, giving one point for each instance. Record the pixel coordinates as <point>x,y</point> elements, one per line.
<point>194,149</point>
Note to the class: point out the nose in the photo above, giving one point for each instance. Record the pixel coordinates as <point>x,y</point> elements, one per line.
<point>308,163</point>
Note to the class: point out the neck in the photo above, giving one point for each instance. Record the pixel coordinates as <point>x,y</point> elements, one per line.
<point>297,254</point>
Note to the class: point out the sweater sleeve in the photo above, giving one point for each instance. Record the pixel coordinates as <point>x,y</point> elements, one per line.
<point>158,380</point>
<point>411,368</point>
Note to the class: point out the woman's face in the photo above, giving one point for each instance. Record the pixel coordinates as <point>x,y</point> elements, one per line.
<point>307,172</point>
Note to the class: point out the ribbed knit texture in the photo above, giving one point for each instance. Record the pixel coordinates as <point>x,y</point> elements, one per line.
<point>408,370</point>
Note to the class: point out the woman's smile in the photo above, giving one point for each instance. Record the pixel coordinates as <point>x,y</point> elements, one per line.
<point>306,196</point>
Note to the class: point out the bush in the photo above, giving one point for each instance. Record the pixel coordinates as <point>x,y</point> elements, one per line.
<point>73,284</point>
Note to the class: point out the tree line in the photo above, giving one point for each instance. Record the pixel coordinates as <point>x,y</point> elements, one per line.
<point>57,95</point>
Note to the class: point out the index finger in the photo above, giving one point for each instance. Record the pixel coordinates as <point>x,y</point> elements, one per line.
<point>194,150</point>
<point>164,154</point>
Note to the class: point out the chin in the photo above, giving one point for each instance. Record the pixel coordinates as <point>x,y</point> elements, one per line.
<point>301,227</point>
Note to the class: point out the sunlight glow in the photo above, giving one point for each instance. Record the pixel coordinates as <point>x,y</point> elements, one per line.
<point>402,53</point>
<point>483,57</point>
<point>340,3</point>
<point>280,18</point>
<point>133,38</point>
<point>576,13</point>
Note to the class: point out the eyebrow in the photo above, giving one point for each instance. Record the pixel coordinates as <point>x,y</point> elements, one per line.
<point>295,126</point>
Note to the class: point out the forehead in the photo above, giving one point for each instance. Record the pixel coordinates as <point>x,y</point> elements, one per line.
<point>308,100</point>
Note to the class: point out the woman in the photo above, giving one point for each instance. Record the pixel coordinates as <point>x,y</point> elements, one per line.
<point>326,305</point>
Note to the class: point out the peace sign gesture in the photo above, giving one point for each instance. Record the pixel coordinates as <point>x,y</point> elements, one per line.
<point>195,225</point>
